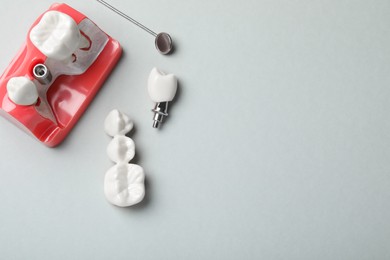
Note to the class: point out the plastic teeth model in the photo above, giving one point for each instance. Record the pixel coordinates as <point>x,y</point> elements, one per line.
<point>56,74</point>
<point>57,36</point>
<point>22,91</point>
<point>117,123</point>
<point>162,89</point>
<point>124,182</point>
<point>121,149</point>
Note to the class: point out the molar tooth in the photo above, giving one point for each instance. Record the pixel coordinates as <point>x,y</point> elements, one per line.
<point>124,184</point>
<point>57,36</point>
<point>121,149</point>
<point>117,123</point>
<point>22,91</point>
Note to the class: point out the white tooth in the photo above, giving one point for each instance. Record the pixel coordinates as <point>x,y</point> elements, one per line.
<point>121,149</point>
<point>117,123</point>
<point>22,91</point>
<point>161,87</point>
<point>124,184</point>
<point>56,35</point>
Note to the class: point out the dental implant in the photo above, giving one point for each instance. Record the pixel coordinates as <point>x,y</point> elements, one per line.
<point>42,74</point>
<point>162,89</point>
<point>160,111</point>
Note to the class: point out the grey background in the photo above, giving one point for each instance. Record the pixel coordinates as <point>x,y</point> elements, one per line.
<point>277,146</point>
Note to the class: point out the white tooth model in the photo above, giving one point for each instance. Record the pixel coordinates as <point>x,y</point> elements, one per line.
<point>117,123</point>
<point>121,149</point>
<point>124,183</point>
<point>22,91</point>
<point>57,36</point>
<point>162,89</point>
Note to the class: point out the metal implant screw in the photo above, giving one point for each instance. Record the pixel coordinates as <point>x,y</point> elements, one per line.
<point>160,111</point>
<point>42,74</point>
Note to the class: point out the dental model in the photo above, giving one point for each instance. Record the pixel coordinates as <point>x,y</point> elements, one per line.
<point>162,89</point>
<point>124,182</point>
<point>57,72</point>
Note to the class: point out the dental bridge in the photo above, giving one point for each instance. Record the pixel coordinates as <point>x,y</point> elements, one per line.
<point>56,74</point>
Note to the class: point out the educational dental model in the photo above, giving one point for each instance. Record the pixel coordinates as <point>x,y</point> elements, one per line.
<point>56,74</point>
<point>53,78</point>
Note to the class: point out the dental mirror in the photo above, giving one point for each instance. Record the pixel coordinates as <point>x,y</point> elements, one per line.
<point>163,41</point>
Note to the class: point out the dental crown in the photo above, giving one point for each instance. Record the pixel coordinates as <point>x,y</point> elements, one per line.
<point>117,123</point>
<point>57,36</point>
<point>22,91</point>
<point>121,149</point>
<point>123,183</point>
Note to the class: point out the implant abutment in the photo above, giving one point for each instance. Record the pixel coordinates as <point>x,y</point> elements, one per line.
<point>42,74</point>
<point>160,111</point>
